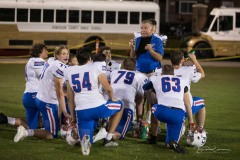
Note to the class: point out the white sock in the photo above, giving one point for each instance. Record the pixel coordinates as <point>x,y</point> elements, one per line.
<point>30,132</point>
<point>11,120</point>
<point>109,136</point>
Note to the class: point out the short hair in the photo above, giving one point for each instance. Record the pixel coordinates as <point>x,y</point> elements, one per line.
<point>154,22</point>
<point>37,49</point>
<point>129,64</point>
<point>148,21</point>
<point>58,50</point>
<point>167,69</point>
<point>71,56</point>
<point>176,57</point>
<point>99,57</point>
<point>101,49</point>
<point>83,55</point>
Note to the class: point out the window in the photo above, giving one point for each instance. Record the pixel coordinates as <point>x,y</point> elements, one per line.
<point>20,42</point>
<point>148,15</point>
<point>86,17</point>
<point>61,16</point>
<point>22,15</point>
<point>225,23</point>
<point>122,17</point>
<point>35,15</point>
<point>48,15</point>
<point>73,16</point>
<point>111,17</point>
<point>7,14</point>
<point>134,17</point>
<point>238,20</point>
<point>98,17</point>
<point>186,6</point>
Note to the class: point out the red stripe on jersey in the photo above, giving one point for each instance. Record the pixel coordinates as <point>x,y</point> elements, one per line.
<point>113,106</point>
<point>198,102</point>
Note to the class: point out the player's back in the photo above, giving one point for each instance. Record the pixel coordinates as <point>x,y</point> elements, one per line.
<point>126,84</point>
<point>84,82</point>
<point>33,71</point>
<point>169,90</point>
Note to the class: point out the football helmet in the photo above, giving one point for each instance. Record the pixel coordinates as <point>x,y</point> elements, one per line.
<point>63,131</point>
<point>196,139</point>
<point>72,137</point>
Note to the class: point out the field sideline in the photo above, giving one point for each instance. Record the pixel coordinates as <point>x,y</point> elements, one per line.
<point>220,89</point>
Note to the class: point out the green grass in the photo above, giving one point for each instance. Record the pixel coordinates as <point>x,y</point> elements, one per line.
<point>220,89</point>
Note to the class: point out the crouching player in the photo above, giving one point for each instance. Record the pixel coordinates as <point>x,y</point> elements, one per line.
<point>126,83</point>
<point>83,95</point>
<point>172,104</point>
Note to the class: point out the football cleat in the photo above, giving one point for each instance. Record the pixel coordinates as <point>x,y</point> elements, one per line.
<point>21,134</point>
<point>3,119</point>
<point>85,145</point>
<point>109,143</point>
<point>176,147</point>
<point>100,135</point>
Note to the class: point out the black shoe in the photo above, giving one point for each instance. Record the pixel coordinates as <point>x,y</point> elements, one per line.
<point>3,119</point>
<point>152,140</point>
<point>109,143</point>
<point>176,147</point>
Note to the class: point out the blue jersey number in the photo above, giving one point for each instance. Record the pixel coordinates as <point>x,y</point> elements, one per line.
<point>168,86</point>
<point>128,78</point>
<point>77,85</point>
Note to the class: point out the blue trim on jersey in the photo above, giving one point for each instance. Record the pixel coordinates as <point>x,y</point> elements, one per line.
<point>145,62</point>
<point>39,63</point>
<point>32,111</point>
<point>174,118</point>
<point>60,72</point>
<point>86,118</point>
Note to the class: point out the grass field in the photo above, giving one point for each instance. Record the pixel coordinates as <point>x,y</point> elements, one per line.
<point>220,89</point>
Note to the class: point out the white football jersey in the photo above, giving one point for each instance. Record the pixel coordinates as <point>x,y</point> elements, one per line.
<point>33,70</point>
<point>84,82</point>
<point>47,90</point>
<point>126,84</point>
<point>169,90</point>
<point>188,73</point>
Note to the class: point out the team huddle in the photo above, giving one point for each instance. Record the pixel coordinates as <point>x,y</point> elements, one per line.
<point>74,92</point>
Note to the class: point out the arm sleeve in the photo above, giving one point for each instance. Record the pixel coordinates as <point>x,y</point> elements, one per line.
<point>58,69</point>
<point>196,76</point>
